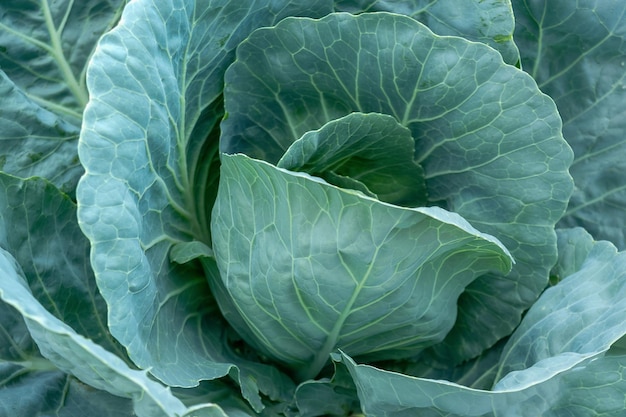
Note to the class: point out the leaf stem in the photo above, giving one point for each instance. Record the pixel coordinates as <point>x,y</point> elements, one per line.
<point>57,53</point>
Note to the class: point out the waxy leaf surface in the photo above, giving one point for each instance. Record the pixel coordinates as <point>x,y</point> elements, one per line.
<point>155,83</point>
<point>490,22</point>
<point>312,267</point>
<point>551,366</point>
<point>488,140</point>
<point>576,50</point>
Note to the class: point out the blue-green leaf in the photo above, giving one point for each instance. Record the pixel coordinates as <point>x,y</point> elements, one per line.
<point>38,228</point>
<point>488,140</point>
<point>311,267</point>
<point>584,313</point>
<point>558,362</point>
<point>155,83</point>
<point>372,149</point>
<point>35,141</point>
<point>28,390</point>
<point>76,355</point>
<point>576,50</point>
<point>45,47</point>
<point>490,22</point>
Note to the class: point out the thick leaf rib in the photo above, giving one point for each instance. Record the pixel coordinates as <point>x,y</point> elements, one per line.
<point>50,45</point>
<point>155,82</point>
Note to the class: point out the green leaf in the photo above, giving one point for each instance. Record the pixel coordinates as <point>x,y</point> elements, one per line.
<point>574,246</point>
<point>490,22</point>
<point>26,393</point>
<point>46,46</point>
<point>478,373</point>
<point>323,397</point>
<point>488,140</point>
<point>312,267</point>
<point>74,354</point>
<point>558,362</point>
<point>149,151</point>
<point>583,313</point>
<point>38,227</point>
<point>372,149</point>
<point>35,141</point>
<point>577,53</point>
<point>569,384</point>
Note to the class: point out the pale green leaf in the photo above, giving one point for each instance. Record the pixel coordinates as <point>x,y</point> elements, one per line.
<point>558,362</point>
<point>312,268</point>
<point>488,140</point>
<point>583,313</point>
<point>76,355</point>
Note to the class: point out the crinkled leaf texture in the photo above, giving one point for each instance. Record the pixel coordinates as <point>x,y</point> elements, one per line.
<point>155,83</point>
<point>46,46</point>
<point>79,356</point>
<point>44,49</point>
<point>576,50</point>
<point>488,140</point>
<point>489,22</point>
<point>311,267</point>
<point>54,255</point>
<point>558,362</point>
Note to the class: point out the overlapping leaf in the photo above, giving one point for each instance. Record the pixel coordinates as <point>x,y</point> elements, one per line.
<point>576,50</point>
<point>45,46</point>
<point>155,83</point>
<point>54,255</point>
<point>489,141</point>
<point>558,362</point>
<point>369,152</point>
<point>312,267</point>
<point>490,22</point>
<point>38,227</point>
<point>76,355</point>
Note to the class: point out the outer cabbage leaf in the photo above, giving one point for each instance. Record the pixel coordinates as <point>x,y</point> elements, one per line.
<point>311,267</point>
<point>26,393</point>
<point>81,357</point>
<point>38,228</point>
<point>56,269</point>
<point>155,83</point>
<point>489,141</point>
<point>584,313</point>
<point>576,50</point>
<point>45,47</point>
<point>558,362</point>
<point>372,149</point>
<point>490,22</point>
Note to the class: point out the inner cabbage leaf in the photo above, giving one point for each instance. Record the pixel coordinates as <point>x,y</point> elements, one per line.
<point>311,267</point>
<point>488,140</point>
